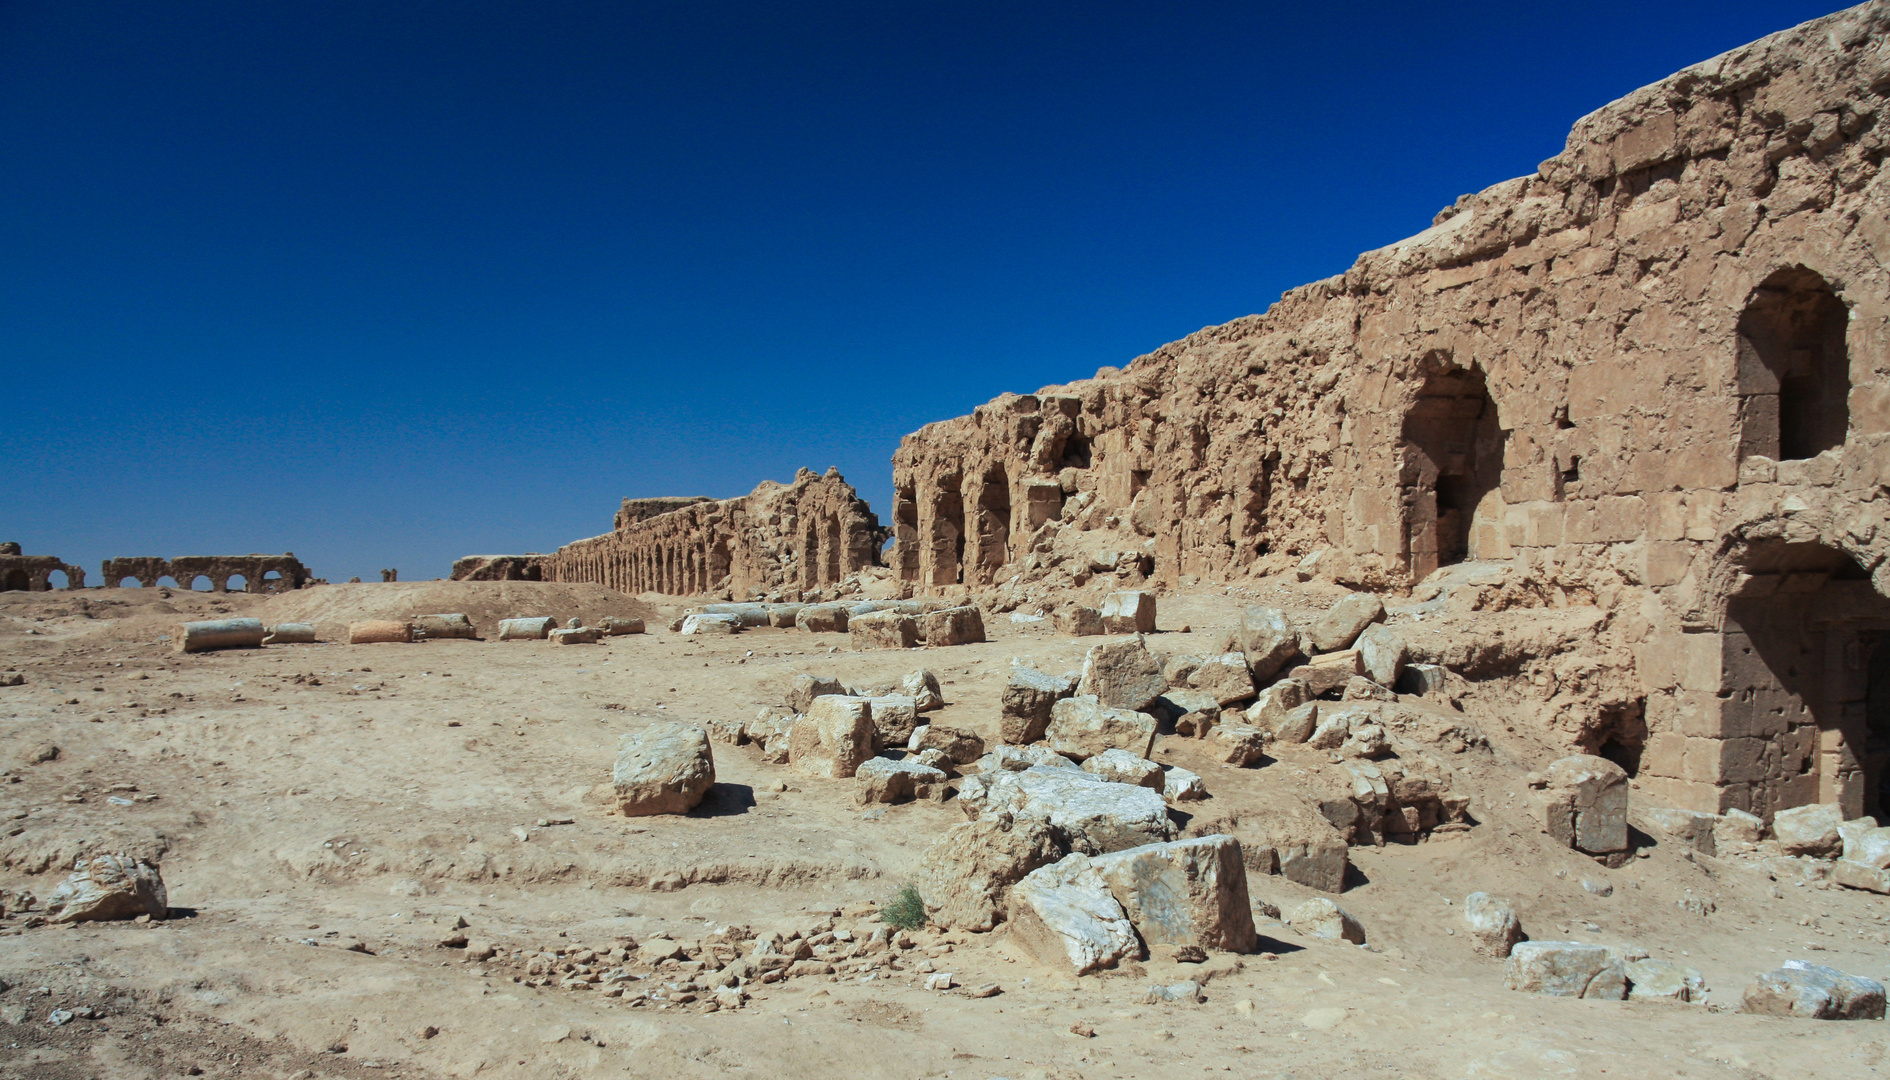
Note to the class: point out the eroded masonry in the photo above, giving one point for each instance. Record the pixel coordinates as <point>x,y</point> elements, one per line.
<point>252,573</point>
<point>1652,377</point>
<point>779,538</point>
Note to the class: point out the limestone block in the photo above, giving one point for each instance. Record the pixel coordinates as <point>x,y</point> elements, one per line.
<point>1422,679</point>
<point>444,626</point>
<point>1809,830</point>
<point>1178,669</point>
<point>1225,677</point>
<point>805,688</point>
<point>1091,815</point>
<point>1194,712</point>
<point>620,625</point>
<point>1332,730</point>
<point>952,626</point>
<point>1328,671</point>
<point>894,718</point>
<point>532,629</point>
<point>1585,804</point>
<point>1186,992</point>
<point>1298,725</point>
<point>1185,892</point>
<point>966,874</point>
<point>1565,969</point>
<point>1310,851</point>
<point>1815,992</point>
<point>290,633</point>
<point>1274,702</point>
<point>1737,830</point>
<point>1321,918</point>
<point>882,630</point>
<point>371,632</point>
<point>1494,927</point>
<point>209,634</point>
<point>1026,702</point>
<point>1869,845</point>
<point>1663,980</point>
<point>1268,639</point>
<point>822,619</point>
<point>784,616</point>
<point>1240,745</point>
<point>1081,727</point>
<point>1860,875</point>
<point>664,769</point>
<point>1342,623</point>
<point>1690,827</point>
<point>1018,758</point>
<point>106,887</point>
<point>1360,688</point>
<point>710,623</point>
<point>581,635</point>
<point>833,737</point>
<point>1125,767</point>
<point>1180,785</point>
<point>1078,621</point>
<point>883,780</point>
<point>1122,674</point>
<point>1381,652</point>
<point>1129,613</point>
<point>1064,916</point>
<point>1365,741</point>
<point>963,747</point>
<point>922,687</point>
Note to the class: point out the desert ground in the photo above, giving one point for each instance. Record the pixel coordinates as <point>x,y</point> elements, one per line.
<point>327,815</point>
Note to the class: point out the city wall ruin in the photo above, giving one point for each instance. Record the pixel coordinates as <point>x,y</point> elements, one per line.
<point>33,573</point>
<point>1653,376</point>
<point>787,539</point>
<point>260,573</point>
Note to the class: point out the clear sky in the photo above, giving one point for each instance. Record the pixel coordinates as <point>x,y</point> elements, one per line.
<point>385,284</point>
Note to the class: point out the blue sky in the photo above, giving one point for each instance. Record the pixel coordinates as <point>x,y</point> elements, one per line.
<point>386,284</point>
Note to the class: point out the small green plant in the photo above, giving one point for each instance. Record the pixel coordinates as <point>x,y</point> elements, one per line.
<point>905,911</point>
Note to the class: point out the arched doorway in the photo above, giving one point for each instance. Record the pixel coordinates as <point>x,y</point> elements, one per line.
<point>1453,459</point>
<point>14,580</point>
<point>1794,370</point>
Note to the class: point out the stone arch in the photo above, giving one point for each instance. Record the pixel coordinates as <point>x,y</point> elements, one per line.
<point>208,585</point>
<point>64,582</point>
<point>1452,462</point>
<point>946,543</point>
<point>162,578</point>
<point>1793,371</point>
<point>905,532</point>
<point>271,581</point>
<point>129,582</point>
<point>810,554</point>
<point>993,523</point>
<point>836,549</point>
<point>15,580</point>
<point>236,581</point>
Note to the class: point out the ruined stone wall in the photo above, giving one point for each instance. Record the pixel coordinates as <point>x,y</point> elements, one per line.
<point>33,573</point>
<point>1633,377</point>
<point>260,573</point>
<point>780,538</point>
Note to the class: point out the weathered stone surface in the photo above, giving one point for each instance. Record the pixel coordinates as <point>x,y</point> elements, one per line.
<point>895,716</point>
<point>784,616</point>
<point>1663,980</point>
<point>963,747</point>
<point>883,780</point>
<point>922,687</point>
<point>109,887</point>
<point>1026,702</point>
<point>1298,725</point>
<point>450,625</point>
<point>1860,875</point>
<point>701,623</point>
<point>664,769</point>
<point>1737,831</point>
<point>1690,827</point>
<point>1494,927</point>
<point>1809,830</point>
<point>1125,767</point>
<point>1381,652</point>
<point>577,635</point>
<point>1075,620</point>
<point>1186,892</point>
<point>1065,916</point>
<point>833,737</point>
<point>1122,675</point>
<point>1129,613</point>
<point>1585,804</point>
<point>1177,669</point>
<point>1274,702</point>
<point>1194,712</point>
<point>290,633</point>
<point>1344,620</point>
<point>619,625</point>
<point>1815,992</point>
<point>533,629</point>
<point>1180,785</point>
<point>210,634</point>
<point>1090,814</point>
<point>1328,671</point>
<point>1321,918</point>
<point>1187,992</point>
<point>805,688</point>
<point>1309,850</point>
<point>966,874</point>
<point>882,630</point>
<point>1365,741</point>
<point>1268,639</point>
<point>951,626</point>
<point>1360,688</point>
<point>1423,679</point>
<point>1081,727</point>
<point>822,618</point>
<point>1225,677</point>
<point>1003,758</point>
<point>366,632</point>
<point>1565,969</point>
<point>1239,745</point>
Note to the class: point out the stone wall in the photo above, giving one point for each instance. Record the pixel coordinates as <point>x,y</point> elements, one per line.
<point>33,573</point>
<point>780,538</point>
<point>1652,375</point>
<point>260,573</point>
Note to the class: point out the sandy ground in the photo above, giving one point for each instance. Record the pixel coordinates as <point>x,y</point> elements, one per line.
<point>307,801</point>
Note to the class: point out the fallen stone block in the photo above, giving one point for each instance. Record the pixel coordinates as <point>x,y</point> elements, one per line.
<point>1125,767</point>
<point>106,887</point>
<point>805,688</point>
<point>1694,829</point>
<point>1585,804</point>
<point>1177,670</point>
<point>1365,741</point>
<point>532,629</point>
<point>1381,652</point>
<point>1026,702</point>
<point>1181,993</point>
<point>577,635</point>
<point>1005,758</point>
<point>1494,927</point>
<point>963,747</point>
<point>952,626</point>
<point>747,614</point>
<point>966,874</point>
<point>1860,875</point>
<point>1122,675</point>
<point>452,625</point>
<point>1345,620</point>
<point>922,687</point>
<point>1809,830</point>
<point>1091,815</point>
<point>664,769</point>
<point>1129,613</point>
<point>1225,677</point>
<point>895,716</point>
<point>1321,918</point>
<point>1737,831</point>
<point>1082,727</point>
<point>375,632</point>
<point>1565,969</point>
<point>1268,639</point>
<point>1310,851</point>
<point>1064,916</point>
<point>1193,712</point>
<point>619,625</point>
<point>1274,702</point>
<point>822,619</point>
<point>1180,785</point>
<point>1663,980</point>
<point>1298,725</point>
<point>290,633</point>
<point>882,630</point>
<point>1240,745</point>
<point>1184,892</point>
<point>833,737</point>
<point>883,780</point>
<point>710,623</point>
<point>784,616</point>
<point>1813,991</point>
<point>1422,679</point>
<point>211,634</point>
<point>1327,672</point>
<point>1078,621</point>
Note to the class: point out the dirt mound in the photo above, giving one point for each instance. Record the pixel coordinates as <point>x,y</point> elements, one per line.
<point>332,607</point>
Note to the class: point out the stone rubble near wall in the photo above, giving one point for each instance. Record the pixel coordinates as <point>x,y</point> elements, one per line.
<point>883,780</point>
<point>1122,675</point>
<point>1091,815</point>
<point>666,768</point>
<point>1125,767</point>
<point>1809,830</point>
<point>1321,918</point>
<point>109,886</point>
<point>1064,916</point>
<point>1585,804</point>
<point>1494,927</point>
<point>833,737</point>
<point>1180,785</point>
<point>1566,969</point>
<point>1026,703</point>
<point>1814,992</point>
<point>1185,892</point>
<point>966,873</point>
<point>1082,727</point>
<point>1128,613</point>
